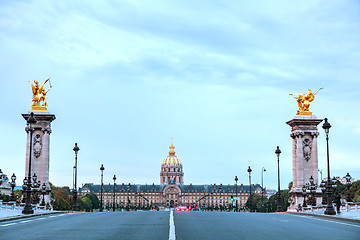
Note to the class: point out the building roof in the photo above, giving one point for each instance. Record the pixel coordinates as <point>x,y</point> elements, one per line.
<point>171,160</point>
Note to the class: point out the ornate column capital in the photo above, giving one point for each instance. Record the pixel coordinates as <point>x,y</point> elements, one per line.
<point>46,130</point>
<point>296,134</point>
<point>314,134</point>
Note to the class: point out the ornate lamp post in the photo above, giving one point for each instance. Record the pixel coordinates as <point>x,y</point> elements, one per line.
<point>304,188</point>
<point>43,191</point>
<point>348,185</point>
<point>101,187</point>
<point>329,209</point>
<point>75,206</point>
<point>114,178</point>
<point>1,176</point>
<point>36,188</point>
<point>27,181</point>
<point>323,189</point>
<point>13,184</point>
<point>262,188</point>
<point>312,188</point>
<point>250,199</point>
<point>236,202</point>
<point>279,208</point>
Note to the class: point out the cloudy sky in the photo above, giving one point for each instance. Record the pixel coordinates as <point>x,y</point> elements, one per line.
<point>215,75</point>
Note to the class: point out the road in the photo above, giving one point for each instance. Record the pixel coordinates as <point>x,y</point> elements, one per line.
<point>187,225</point>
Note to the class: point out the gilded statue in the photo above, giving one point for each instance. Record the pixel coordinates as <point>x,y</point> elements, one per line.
<point>39,96</point>
<point>303,101</point>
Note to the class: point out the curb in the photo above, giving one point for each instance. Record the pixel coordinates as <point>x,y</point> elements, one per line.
<point>28,216</point>
<point>325,216</point>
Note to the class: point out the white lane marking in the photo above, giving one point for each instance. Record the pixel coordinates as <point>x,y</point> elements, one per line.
<point>319,219</point>
<point>172,227</point>
<point>30,220</point>
<point>9,224</point>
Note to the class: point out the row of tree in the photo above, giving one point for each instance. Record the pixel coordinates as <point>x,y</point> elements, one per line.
<point>62,199</point>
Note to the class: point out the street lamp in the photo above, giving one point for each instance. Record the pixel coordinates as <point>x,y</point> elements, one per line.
<point>75,206</point>
<point>101,187</point>
<point>128,198</point>
<point>277,152</point>
<point>114,178</point>
<point>320,171</point>
<point>262,188</point>
<point>31,121</point>
<point>236,202</point>
<point>348,185</point>
<point>43,191</point>
<point>220,196</point>
<point>250,200</point>
<point>329,208</point>
<point>13,184</point>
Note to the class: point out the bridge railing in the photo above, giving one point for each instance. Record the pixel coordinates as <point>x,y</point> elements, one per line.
<point>349,206</point>
<point>18,206</point>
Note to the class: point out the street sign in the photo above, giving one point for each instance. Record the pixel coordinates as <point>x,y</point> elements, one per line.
<point>237,198</point>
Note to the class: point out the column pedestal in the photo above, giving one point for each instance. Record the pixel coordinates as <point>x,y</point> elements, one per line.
<point>40,155</point>
<point>304,133</point>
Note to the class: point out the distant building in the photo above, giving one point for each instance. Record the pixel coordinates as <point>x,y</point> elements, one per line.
<point>5,187</point>
<point>171,191</point>
<point>270,192</point>
<point>342,180</point>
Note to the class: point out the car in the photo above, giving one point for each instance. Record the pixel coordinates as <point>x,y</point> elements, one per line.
<point>182,209</point>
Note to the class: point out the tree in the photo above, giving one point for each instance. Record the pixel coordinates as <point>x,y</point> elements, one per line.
<point>255,202</point>
<point>84,203</point>
<point>4,197</point>
<point>60,197</point>
<point>95,202</point>
<point>355,191</point>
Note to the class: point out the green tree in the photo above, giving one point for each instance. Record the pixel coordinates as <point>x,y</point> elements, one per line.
<point>272,203</point>
<point>18,194</point>
<point>95,202</point>
<point>4,197</point>
<point>255,203</point>
<point>84,203</point>
<point>355,191</point>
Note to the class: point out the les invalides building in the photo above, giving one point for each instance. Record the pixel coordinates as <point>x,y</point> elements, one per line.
<point>171,192</point>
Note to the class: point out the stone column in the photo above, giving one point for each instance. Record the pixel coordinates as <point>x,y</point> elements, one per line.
<point>40,155</point>
<point>305,159</point>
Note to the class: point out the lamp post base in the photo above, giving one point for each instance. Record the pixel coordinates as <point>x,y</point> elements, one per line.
<point>28,210</point>
<point>329,211</point>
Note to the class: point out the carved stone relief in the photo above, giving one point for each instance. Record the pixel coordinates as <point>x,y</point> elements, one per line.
<point>37,145</point>
<point>307,148</point>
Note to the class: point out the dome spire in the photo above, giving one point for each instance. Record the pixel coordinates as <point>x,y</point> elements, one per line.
<point>172,151</point>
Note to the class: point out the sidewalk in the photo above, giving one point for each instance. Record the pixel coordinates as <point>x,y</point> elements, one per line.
<point>8,214</point>
<point>353,216</point>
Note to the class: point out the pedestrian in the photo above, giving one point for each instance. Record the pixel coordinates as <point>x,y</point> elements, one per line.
<point>338,202</point>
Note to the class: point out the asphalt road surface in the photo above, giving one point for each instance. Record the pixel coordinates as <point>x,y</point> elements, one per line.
<point>184,225</point>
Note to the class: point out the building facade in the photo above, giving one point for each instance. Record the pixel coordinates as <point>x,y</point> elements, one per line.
<point>172,192</point>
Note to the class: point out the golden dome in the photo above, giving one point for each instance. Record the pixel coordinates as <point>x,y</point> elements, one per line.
<point>171,160</point>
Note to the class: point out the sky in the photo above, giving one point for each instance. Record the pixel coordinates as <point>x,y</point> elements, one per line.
<point>215,75</point>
